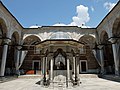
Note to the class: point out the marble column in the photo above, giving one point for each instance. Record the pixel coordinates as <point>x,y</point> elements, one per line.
<point>68,73</point>
<point>74,64</point>
<point>68,69</point>
<point>46,67</point>
<point>43,60</point>
<point>116,60</point>
<point>102,61</point>
<point>78,68</point>
<point>51,70</point>
<point>115,55</point>
<point>41,67</point>
<point>4,56</point>
<point>17,62</point>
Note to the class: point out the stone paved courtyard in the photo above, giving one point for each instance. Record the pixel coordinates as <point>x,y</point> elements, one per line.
<point>87,84</point>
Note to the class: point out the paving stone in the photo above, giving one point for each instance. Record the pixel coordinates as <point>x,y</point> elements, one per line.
<point>87,84</point>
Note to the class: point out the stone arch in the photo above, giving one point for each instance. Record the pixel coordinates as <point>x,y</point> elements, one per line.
<point>3,27</point>
<point>116,33</point>
<point>3,30</point>
<point>116,27</point>
<point>107,53</point>
<point>15,37</point>
<point>12,53</point>
<point>29,42</point>
<point>27,35</point>
<point>59,53</point>
<point>31,39</point>
<point>3,33</point>
<point>88,40</point>
<point>104,36</point>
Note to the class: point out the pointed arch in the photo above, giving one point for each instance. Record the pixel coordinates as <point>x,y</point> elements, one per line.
<point>87,39</point>
<point>3,27</point>
<point>116,27</point>
<point>104,37</point>
<point>15,37</point>
<point>31,39</point>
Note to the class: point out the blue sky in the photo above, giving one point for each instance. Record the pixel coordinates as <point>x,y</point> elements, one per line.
<point>59,12</point>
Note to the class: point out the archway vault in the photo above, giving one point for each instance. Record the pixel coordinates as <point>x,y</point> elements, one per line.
<point>116,27</point>
<point>31,39</point>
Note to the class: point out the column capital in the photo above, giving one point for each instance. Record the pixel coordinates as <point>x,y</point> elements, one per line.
<point>7,41</point>
<point>113,40</point>
<point>100,46</point>
<point>19,47</point>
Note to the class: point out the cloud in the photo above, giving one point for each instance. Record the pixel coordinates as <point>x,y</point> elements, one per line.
<point>82,16</point>
<point>109,5</point>
<point>34,26</point>
<point>92,9</point>
<point>79,20</point>
<point>59,24</point>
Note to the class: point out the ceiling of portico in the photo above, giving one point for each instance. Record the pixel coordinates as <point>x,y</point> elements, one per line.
<point>31,40</point>
<point>87,39</point>
<point>3,29</point>
<point>116,28</point>
<point>104,37</point>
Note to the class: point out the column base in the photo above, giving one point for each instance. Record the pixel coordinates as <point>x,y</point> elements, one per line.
<point>69,84</point>
<point>51,84</point>
<point>117,73</point>
<point>17,72</point>
<point>2,78</point>
<point>102,72</point>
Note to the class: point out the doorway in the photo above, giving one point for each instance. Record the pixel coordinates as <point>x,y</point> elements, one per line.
<point>36,66</point>
<point>83,66</point>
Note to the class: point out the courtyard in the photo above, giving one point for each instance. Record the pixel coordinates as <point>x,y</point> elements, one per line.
<point>60,57</point>
<point>87,83</point>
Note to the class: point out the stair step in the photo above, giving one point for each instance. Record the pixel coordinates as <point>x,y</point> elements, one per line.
<point>112,78</point>
<point>88,76</point>
<point>29,76</point>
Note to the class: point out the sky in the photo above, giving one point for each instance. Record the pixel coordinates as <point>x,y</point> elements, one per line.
<point>82,13</point>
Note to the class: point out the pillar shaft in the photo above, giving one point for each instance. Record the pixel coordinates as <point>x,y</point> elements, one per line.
<point>51,69</point>
<point>116,60</point>
<point>44,61</point>
<point>74,64</point>
<point>17,62</point>
<point>76,70</point>
<point>3,63</point>
<point>68,69</point>
<point>77,67</point>
<point>46,66</point>
<point>102,61</point>
<point>41,67</point>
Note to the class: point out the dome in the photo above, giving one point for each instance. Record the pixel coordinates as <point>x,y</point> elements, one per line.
<point>60,35</point>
